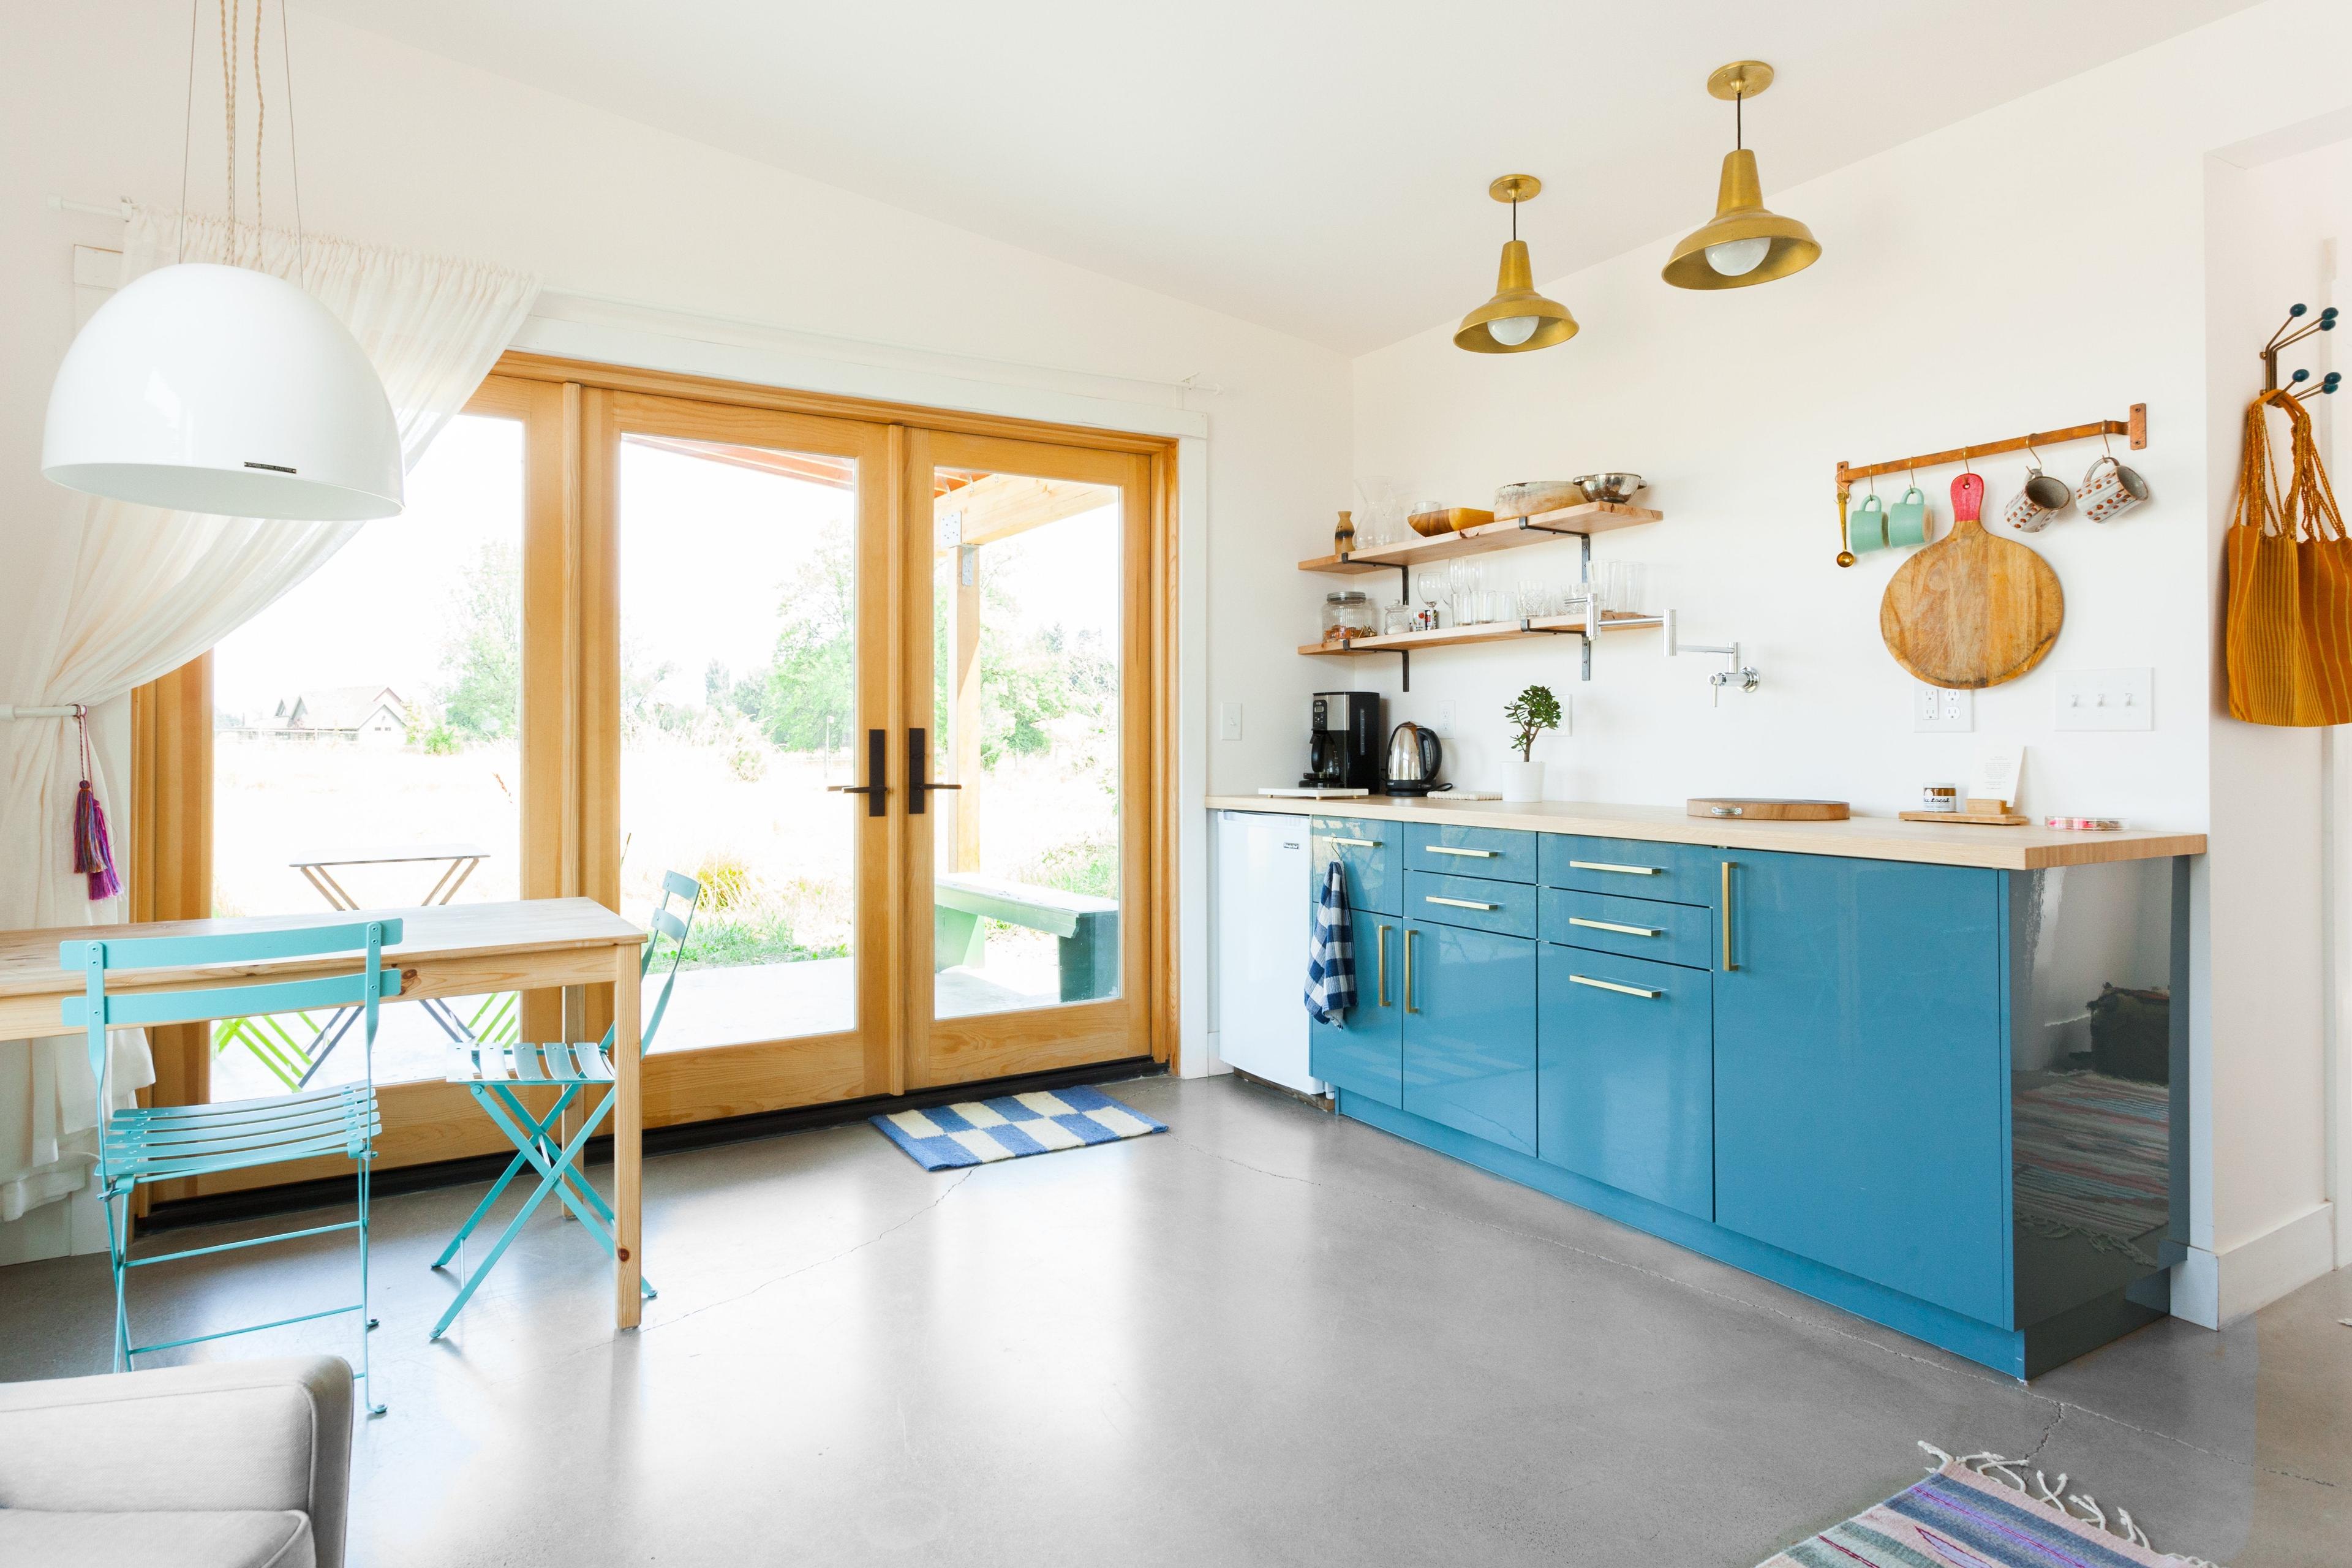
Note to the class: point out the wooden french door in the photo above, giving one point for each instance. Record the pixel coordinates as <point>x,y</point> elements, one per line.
<point>739,671</point>
<point>1031,896</point>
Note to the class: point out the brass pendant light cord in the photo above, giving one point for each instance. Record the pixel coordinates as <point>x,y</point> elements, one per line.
<point>228,31</point>
<point>232,39</point>
<point>293,148</point>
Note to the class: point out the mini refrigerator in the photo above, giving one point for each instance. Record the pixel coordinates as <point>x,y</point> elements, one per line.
<point>1264,866</point>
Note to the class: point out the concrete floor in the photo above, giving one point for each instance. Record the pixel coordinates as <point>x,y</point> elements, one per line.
<point>1268,1337</point>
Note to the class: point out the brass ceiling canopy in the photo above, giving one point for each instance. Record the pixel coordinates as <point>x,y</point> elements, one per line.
<point>1517,319</point>
<point>1747,243</point>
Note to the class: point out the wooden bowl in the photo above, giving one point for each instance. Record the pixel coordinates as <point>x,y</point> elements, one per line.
<point>1535,496</point>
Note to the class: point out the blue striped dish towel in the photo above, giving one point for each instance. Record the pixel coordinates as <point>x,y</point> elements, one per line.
<point>1331,952</point>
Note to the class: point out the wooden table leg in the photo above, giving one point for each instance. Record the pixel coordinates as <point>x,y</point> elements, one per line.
<point>628,1126</point>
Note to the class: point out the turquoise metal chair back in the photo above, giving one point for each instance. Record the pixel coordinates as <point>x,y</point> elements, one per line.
<point>666,923</point>
<point>98,1012</point>
<point>144,1145</point>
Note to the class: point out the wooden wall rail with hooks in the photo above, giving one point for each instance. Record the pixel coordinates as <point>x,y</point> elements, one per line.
<point>2135,427</point>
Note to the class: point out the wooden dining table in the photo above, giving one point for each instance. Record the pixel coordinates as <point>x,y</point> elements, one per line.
<point>446,950</point>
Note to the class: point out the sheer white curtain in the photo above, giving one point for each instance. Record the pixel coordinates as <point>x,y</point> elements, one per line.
<point>152,589</point>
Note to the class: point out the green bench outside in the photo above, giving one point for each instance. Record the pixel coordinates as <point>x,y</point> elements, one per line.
<point>1087,926</point>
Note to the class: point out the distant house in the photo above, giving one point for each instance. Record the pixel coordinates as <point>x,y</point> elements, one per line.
<point>366,715</point>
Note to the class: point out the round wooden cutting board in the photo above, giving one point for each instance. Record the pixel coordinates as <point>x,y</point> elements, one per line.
<point>1970,609</point>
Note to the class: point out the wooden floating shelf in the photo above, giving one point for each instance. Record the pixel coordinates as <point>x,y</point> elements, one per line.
<point>1490,631</point>
<point>1509,533</point>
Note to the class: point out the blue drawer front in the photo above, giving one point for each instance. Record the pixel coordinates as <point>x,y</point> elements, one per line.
<point>1501,853</point>
<point>1470,1037</point>
<point>1631,868</point>
<point>1373,852</point>
<point>1625,1078</point>
<point>1507,909</point>
<point>1361,1052</point>
<point>1636,928</point>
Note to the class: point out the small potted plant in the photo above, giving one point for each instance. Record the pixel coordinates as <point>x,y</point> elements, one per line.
<point>1529,714</point>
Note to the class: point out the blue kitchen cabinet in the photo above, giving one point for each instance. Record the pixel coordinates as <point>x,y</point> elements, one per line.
<point>1363,1052</point>
<point>1469,1032</point>
<point>1625,1075</point>
<point>1861,1071</point>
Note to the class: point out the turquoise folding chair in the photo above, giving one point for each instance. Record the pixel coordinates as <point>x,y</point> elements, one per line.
<point>162,1143</point>
<point>493,1072</point>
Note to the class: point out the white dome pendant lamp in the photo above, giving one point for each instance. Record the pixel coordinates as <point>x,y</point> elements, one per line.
<point>224,390</point>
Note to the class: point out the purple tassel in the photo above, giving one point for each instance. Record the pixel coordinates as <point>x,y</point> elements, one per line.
<point>92,854</point>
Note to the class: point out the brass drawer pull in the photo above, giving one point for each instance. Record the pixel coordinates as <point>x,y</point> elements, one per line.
<point>1358,843</point>
<point>1612,925</point>
<point>1466,854</point>
<point>1622,871</point>
<point>1408,971</point>
<point>1729,962</point>
<point>1458,903</point>
<point>1612,985</point>
<point>1383,943</point>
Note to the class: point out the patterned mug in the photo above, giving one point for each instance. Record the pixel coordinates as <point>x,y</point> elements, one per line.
<point>2110,489</point>
<point>2041,499</point>
<point>1906,519</point>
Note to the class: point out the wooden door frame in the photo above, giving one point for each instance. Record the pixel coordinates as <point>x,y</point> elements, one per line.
<point>560,403</point>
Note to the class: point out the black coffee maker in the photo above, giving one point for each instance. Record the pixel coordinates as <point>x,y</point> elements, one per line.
<point>1343,741</point>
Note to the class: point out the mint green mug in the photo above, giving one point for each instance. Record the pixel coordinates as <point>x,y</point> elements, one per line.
<point>1865,527</point>
<point>1906,519</point>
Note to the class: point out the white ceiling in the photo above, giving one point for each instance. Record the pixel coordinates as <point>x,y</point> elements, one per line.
<point>1316,165</point>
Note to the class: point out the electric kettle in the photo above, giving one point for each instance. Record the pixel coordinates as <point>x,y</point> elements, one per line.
<point>1414,757</point>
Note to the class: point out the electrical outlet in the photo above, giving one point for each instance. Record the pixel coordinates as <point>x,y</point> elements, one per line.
<point>1445,719</point>
<point>1228,722</point>
<point>1943,708</point>
<point>2107,699</point>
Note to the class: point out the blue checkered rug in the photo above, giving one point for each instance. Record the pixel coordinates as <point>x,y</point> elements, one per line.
<point>975,1132</point>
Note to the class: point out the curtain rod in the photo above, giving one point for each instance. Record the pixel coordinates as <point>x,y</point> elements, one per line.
<point>70,710</point>
<point>1188,383</point>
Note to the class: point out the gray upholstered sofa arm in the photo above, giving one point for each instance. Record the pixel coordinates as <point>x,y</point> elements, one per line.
<point>244,1435</point>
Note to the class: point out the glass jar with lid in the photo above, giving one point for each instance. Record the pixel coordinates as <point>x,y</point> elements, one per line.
<point>1348,616</point>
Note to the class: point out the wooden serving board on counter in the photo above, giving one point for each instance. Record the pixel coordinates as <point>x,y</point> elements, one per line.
<point>1749,809</point>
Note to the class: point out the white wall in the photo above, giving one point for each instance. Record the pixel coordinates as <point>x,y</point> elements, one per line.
<point>408,149</point>
<point>2039,265</point>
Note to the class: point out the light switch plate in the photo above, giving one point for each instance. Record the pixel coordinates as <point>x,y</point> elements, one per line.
<point>1941,709</point>
<point>2106,698</point>
<point>1228,722</point>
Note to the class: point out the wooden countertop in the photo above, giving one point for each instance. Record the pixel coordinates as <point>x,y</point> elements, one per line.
<point>1863,838</point>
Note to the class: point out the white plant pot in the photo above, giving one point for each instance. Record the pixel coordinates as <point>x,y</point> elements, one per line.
<point>1522,781</point>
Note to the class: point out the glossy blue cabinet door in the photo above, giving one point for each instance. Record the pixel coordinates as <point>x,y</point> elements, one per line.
<point>1362,1054</point>
<point>1470,1033</point>
<point>1861,1073</point>
<point>1625,1077</point>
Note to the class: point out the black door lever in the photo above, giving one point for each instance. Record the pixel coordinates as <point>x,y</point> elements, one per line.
<point>877,754</point>
<point>917,783</point>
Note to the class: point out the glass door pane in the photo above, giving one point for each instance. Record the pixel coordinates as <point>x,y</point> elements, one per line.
<point>1025,697</point>
<point>738,587</point>
<point>366,733</point>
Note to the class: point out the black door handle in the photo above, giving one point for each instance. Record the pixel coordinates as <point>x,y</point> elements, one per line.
<point>878,755</point>
<point>917,779</point>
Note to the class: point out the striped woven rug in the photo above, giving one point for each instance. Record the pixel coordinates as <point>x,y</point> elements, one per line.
<point>1979,1512</point>
<point>975,1132</point>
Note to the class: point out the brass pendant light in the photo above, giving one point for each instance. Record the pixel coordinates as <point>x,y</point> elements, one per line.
<point>1746,244</point>
<point>1517,317</point>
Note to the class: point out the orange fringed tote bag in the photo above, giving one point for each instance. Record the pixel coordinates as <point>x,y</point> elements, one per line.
<point>2287,627</point>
